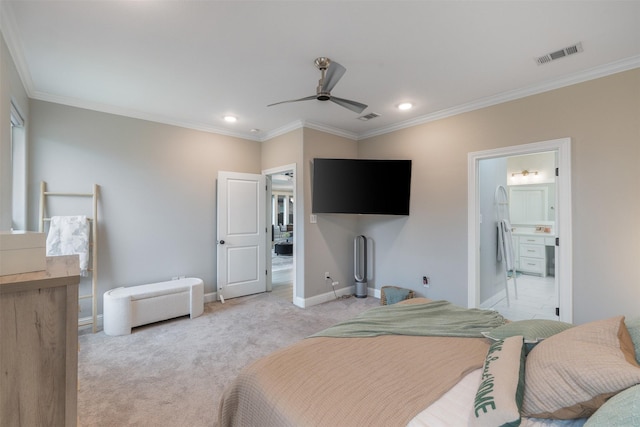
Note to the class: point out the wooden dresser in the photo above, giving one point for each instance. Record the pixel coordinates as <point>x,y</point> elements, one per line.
<point>39,345</point>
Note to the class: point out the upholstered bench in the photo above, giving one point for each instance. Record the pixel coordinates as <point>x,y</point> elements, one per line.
<point>125,308</point>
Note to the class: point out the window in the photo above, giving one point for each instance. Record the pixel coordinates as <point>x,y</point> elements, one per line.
<point>19,171</point>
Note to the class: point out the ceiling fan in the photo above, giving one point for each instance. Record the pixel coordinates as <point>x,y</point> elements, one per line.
<point>331,73</point>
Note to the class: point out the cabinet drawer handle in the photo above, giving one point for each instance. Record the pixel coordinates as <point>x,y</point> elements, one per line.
<point>530,264</point>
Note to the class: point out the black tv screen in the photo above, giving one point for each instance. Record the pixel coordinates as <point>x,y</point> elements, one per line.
<point>361,186</point>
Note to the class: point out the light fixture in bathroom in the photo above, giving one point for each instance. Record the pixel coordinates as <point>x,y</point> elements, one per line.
<point>525,173</point>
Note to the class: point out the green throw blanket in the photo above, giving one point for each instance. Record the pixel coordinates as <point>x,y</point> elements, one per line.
<point>436,318</point>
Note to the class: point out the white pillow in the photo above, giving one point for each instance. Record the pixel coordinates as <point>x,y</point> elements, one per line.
<point>499,396</point>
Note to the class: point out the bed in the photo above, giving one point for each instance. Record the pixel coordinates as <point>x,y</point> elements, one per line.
<point>431,363</point>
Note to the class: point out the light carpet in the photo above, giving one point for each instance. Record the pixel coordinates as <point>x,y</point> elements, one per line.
<point>173,373</point>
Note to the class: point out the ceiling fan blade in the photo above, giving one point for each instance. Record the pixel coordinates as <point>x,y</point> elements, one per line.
<point>294,100</point>
<point>333,75</point>
<point>351,105</point>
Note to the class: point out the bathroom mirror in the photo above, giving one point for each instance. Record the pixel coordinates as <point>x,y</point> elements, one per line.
<point>531,204</point>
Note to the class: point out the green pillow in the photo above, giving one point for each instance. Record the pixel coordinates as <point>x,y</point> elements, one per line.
<point>394,295</point>
<point>623,409</point>
<point>633,326</point>
<point>533,330</point>
<point>499,396</point>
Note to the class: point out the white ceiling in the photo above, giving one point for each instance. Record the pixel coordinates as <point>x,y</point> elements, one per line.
<point>191,62</point>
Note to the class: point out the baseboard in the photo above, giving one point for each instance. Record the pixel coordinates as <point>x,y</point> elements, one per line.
<point>315,300</point>
<point>327,296</point>
<point>373,292</point>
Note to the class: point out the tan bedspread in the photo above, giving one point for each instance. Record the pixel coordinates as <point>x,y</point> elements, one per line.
<point>374,381</point>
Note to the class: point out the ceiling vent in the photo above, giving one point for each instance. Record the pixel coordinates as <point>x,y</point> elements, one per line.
<point>368,117</point>
<point>559,54</point>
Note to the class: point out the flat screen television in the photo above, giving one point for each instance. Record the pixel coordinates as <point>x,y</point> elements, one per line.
<point>361,186</point>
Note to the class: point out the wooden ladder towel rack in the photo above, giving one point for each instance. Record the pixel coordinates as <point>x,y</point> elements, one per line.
<point>93,246</point>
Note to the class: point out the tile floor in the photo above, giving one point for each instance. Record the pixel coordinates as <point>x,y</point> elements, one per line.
<point>536,299</point>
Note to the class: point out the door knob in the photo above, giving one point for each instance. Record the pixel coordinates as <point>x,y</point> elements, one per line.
<point>221,242</point>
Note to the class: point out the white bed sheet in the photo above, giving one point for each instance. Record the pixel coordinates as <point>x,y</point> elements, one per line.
<point>453,409</point>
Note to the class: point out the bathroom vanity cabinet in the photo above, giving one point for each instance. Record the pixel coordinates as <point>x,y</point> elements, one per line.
<point>39,345</point>
<point>531,253</point>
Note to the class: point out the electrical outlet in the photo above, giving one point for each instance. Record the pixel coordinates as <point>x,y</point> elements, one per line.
<point>327,276</point>
<point>425,281</point>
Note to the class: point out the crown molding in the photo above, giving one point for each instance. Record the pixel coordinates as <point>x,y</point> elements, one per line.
<point>583,76</point>
<point>8,30</point>
<point>109,109</point>
<point>298,124</point>
<point>331,130</point>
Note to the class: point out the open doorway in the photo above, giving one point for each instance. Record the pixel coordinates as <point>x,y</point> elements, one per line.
<point>281,222</point>
<point>482,227</point>
<point>518,193</point>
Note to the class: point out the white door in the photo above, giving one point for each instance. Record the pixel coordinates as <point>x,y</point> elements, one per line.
<point>242,234</point>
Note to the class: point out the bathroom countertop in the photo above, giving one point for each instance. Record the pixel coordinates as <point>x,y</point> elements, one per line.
<point>532,233</point>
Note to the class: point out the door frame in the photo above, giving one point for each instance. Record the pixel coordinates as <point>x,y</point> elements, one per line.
<point>297,228</point>
<point>564,252</point>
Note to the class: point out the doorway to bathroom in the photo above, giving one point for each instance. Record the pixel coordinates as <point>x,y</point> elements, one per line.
<point>537,283</point>
<point>281,219</point>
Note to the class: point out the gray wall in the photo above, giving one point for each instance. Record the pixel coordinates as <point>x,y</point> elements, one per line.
<point>329,242</point>
<point>157,182</point>
<point>281,151</point>
<point>11,89</point>
<point>601,116</point>
<point>491,173</point>
<point>158,190</point>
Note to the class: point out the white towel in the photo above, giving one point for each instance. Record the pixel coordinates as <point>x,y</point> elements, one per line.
<point>69,235</point>
<point>505,244</point>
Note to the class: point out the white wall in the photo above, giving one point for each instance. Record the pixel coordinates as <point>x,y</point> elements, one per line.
<point>157,210</point>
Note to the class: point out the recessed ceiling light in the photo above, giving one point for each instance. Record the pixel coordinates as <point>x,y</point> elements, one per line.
<point>405,106</point>
<point>230,119</point>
